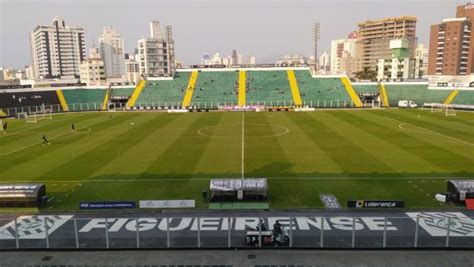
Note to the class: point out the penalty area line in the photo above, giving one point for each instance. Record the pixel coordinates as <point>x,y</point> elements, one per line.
<point>433,132</point>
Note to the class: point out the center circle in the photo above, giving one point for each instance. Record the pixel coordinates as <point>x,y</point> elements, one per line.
<point>252,130</point>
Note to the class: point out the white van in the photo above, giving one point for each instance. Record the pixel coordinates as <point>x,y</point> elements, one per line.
<point>407,104</point>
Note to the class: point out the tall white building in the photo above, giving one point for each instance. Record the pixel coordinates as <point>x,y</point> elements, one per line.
<point>112,53</point>
<point>156,54</point>
<point>422,54</point>
<point>343,52</point>
<point>57,50</point>
<point>132,68</point>
<point>93,70</point>
<point>252,60</point>
<point>401,66</point>
<point>325,61</point>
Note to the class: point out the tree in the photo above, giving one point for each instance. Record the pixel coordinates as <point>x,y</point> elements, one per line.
<point>366,74</point>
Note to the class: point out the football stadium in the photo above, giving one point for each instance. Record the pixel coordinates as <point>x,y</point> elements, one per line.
<point>137,155</point>
<point>307,135</point>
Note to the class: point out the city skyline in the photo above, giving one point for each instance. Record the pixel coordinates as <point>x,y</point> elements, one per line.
<point>257,33</point>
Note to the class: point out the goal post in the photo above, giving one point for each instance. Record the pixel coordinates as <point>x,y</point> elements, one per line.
<point>436,108</point>
<point>21,115</point>
<point>31,118</point>
<point>449,111</point>
<point>46,114</point>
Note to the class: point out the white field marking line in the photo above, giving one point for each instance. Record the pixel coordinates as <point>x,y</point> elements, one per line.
<point>286,130</point>
<point>243,133</point>
<point>206,179</point>
<point>52,138</point>
<point>433,132</point>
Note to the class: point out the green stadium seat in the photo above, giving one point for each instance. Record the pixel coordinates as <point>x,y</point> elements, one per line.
<point>216,87</point>
<point>269,87</point>
<point>464,97</point>
<point>419,93</point>
<point>84,99</point>
<point>320,90</point>
<point>165,92</point>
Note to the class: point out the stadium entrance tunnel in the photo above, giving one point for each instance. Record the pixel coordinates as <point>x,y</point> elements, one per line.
<point>251,130</point>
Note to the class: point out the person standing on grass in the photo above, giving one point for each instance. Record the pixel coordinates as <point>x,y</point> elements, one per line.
<point>45,140</point>
<point>4,126</point>
<point>73,128</point>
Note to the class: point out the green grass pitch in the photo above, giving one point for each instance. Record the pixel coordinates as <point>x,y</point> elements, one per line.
<point>353,154</point>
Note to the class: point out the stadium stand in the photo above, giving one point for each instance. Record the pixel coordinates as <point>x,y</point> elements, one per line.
<point>164,92</point>
<point>419,93</point>
<point>450,97</point>
<point>216,87</point>
<point>295,91</point>
<point>136,93</point>
<point>29,99</point>
<point>62,100</point>
<point>121,91</point>
<point>384,96</point>
<point>314,90</point>
<point>242,88</point>
<point>188,95</point>
<point>105,102</point>
<point>269,87</point>
<point>84,99</point>
<point>362,88</point>
<point>351,92</point>
<point>464,97</point>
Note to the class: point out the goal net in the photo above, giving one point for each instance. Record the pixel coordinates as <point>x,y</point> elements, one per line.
<point>31,118</point>
<point>447,110</point>
<point>22,115</point>
<point>34,117</point>
<point>437,108</point>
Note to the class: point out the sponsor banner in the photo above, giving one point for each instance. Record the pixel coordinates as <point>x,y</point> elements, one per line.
<point>164,204</point>
<point>108,205</point>
<point>436,223</point>
<point>375,204</point>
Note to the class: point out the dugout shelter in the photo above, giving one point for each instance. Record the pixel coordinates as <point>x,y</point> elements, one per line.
<point>22,195</point>
<point>238,189</point>
<point>460,190</point>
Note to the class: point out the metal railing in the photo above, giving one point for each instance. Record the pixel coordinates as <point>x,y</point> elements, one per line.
<point>68,232</point>
<point>80,107</point>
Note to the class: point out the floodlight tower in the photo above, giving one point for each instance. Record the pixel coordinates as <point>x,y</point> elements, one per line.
<point>316,40</point>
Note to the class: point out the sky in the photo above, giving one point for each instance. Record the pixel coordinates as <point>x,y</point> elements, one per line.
<point>266,29</point>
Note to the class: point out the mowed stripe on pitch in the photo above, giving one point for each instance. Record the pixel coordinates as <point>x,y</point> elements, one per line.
<point>47,158</point>
<point>143,153</point>
<point>19,137</point>
<point>433,134</point>
<point>301,150</point>
<point>341,148</point>
<point>92,160</point>
<point>181,157</point>
<point>374,138</point>
<point>35,150</point>
<point>264,157</point>
<point>222,154</point>
<point>463,133</point>
<point>435,149</point>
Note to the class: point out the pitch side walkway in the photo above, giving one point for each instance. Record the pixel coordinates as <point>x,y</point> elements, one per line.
<point>238,258</point>
<point>215,229</point>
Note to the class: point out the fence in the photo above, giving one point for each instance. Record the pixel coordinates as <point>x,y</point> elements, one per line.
<point>78,107</point>
<point>69,232</point>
